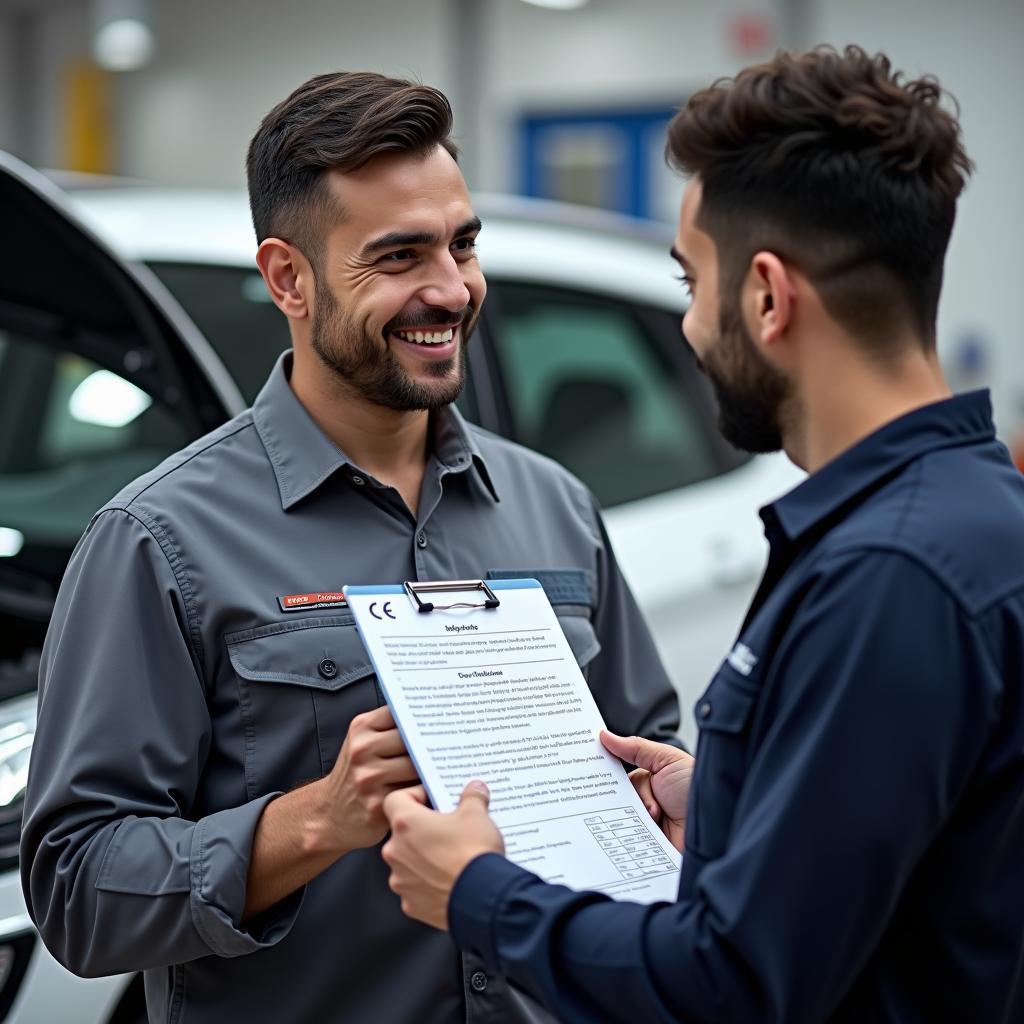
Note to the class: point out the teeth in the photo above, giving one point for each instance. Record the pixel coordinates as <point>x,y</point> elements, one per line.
<point>427,337</point>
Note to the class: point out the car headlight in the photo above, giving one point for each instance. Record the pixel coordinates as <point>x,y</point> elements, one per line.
<point>17,731</point>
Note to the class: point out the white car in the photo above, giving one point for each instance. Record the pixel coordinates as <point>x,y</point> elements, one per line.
<point>105,368</point>
<point>579,354</point>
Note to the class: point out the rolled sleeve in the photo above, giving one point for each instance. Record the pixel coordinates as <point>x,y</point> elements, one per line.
<point>119,872</point>
<point>219,867</point>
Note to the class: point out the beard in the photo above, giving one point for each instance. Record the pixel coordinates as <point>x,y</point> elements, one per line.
<point>369,368</point>
<point>752,395</point>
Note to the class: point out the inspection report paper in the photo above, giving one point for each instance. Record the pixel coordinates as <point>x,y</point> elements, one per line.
<point>497,695</point>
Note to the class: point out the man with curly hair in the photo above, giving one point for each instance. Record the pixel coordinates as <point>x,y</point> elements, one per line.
<point>854,828</point>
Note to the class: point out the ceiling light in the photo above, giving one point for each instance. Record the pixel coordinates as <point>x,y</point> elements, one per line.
<point>11,542</point>
<point>558,5</point>
<point>122,34</point>
<point>107,400</point>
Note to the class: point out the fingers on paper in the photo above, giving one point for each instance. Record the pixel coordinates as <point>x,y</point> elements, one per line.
<point>634,749</point>
<point>642,752</point>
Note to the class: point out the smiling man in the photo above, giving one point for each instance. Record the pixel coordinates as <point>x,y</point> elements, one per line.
<point>854,828</point>
<point>206,789</point>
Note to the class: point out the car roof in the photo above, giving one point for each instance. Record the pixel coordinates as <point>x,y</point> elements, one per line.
<point>522,240</point>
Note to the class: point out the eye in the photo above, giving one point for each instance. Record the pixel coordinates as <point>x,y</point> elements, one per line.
<point>687,282</point>
<point>400,256</point>
<point>464,246</point>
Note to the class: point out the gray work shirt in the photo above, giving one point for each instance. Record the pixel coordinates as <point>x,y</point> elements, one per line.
<point>177,698</point>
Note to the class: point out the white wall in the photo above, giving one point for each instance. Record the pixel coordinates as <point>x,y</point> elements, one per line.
<point>8,124</point>
<point>610,53</point>
<point>975,51</point>
<point>221,66</point>
<point>57,35</point>
<point>614,53</point>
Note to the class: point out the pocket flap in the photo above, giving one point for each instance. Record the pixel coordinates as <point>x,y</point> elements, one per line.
<point>562,586</point>
<point>571,593</point>
<point>325,652</point>
<point>726,705</point>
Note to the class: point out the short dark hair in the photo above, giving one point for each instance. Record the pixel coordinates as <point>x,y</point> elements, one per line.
<point>832,161</point>
<point>338,121</point>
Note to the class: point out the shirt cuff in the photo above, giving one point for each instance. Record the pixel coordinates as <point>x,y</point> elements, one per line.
<point>219,871</point>
<point>475,899</point>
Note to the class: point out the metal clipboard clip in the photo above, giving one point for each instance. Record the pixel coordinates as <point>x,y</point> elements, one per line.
<point>450,586</point>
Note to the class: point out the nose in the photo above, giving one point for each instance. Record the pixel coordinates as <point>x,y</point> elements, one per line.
<point>446,286</point>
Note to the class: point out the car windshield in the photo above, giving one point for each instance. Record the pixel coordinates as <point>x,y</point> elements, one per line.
<point>231,307</point>
<point>72,434</point>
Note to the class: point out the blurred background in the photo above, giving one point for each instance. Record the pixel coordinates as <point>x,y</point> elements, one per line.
<point>566,100</point>
<point>103,372</point>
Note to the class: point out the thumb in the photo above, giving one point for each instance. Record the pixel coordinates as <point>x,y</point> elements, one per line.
<point>476,796</point>
<point>634,750</point>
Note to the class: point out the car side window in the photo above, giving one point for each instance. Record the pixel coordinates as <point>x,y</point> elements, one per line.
<point>589,382</point>
<point>232,308</point>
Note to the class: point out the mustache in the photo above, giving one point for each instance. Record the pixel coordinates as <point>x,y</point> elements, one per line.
<point>431,316</point>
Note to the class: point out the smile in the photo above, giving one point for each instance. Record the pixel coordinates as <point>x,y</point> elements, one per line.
<point>426,337</point>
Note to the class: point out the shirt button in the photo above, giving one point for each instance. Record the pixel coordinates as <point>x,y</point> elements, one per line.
<point>328,668</point>
<point>478,981</point>
<point>358,480</point>
<point>421,539</point>
<point>705,709</point>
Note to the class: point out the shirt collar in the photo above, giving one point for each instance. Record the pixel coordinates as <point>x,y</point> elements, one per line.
<point>455,447</point>
<point>963,419</point>
<point>303,456</point>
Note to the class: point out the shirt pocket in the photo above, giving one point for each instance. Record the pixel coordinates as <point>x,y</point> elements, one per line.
<point>570,592</point>
<point>300,684</point>
<point>579,631</point>
<point>723,714</point>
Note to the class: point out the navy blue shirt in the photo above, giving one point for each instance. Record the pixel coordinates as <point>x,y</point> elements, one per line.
<point>855,835</point>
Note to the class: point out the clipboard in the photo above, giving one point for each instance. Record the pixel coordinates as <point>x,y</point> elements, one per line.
<point>482,683</point>
<point>449,587</point>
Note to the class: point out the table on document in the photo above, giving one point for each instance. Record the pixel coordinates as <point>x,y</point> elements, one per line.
<point>628,843</point>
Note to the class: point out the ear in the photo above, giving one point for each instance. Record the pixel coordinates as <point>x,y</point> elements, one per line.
<point>288,277</point>
<point>771,297</point>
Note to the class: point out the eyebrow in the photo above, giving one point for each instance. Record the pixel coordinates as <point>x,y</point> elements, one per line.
<point>401,239</point>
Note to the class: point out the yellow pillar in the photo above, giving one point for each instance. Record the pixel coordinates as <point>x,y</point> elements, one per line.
<point>88,143</point>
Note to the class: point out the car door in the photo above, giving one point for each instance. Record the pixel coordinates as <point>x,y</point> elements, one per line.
<point>101,377</point>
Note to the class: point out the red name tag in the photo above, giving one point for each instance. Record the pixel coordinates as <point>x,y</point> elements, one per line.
<point>297,602</point>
